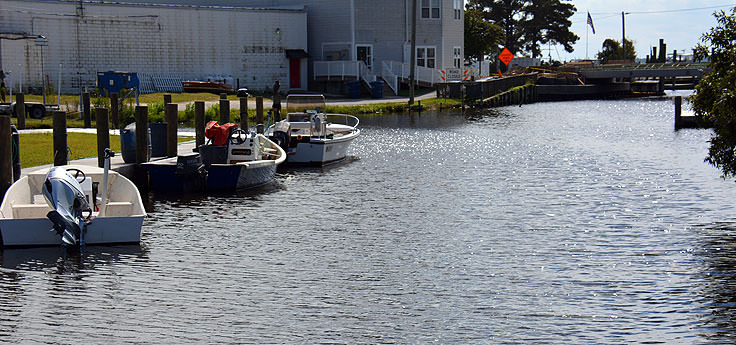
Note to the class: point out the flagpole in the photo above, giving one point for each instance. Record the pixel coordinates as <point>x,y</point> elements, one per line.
<point>586,36</point>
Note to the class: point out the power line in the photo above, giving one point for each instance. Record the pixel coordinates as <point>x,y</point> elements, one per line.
<point>662,11</point>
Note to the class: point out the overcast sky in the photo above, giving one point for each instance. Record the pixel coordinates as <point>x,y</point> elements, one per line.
<point>679,22</point>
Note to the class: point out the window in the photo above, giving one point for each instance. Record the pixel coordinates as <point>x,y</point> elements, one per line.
<point>458,9</point>
<point>425,57</point>
<point>431,9</point>
<point>457,57</point>
<point>364,54</point>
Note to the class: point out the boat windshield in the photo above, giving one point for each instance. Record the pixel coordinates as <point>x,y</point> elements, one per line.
<point>302,103</point>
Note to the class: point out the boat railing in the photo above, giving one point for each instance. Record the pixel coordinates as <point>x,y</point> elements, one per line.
<point>348,120</point>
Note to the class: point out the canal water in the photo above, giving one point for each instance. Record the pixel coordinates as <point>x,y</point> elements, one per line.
<point>576,222</point>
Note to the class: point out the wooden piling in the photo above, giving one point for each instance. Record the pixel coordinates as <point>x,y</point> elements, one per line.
<point>224,111</point>
<point>114,110</point>
<point>678,112</point>
<point>87,116</point>
<point>60,146</point>
<point>199,123</point>
<point>223,95</point>
<point>103,134</point>
<point>6,156</point>
<point>20,109</point>
<point>259,114</point>
<point>244,113</point>
<point>167,99</point>
<point>172,128</point>
<point>141,134</point>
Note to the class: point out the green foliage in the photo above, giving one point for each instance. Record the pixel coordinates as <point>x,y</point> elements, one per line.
<point>611,50</point>
<point>715,94</point>
<point>528,24</point>
<point>481,37</point>
<point>156,112</point>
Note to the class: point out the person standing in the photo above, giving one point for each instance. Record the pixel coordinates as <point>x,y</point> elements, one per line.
<point>276,107</point>
<point>3,89</point>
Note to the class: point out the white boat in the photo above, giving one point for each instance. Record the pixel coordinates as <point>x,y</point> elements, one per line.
<point>307,134</point>
<point>239,161</point>
<point>72,205</point>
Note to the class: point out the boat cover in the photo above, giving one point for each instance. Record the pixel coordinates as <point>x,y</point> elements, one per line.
<point>219,134</point>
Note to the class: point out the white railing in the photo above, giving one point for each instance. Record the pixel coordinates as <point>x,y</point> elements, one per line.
<point>390,77</point>
<point>339,69</point>
<point>393,71</point>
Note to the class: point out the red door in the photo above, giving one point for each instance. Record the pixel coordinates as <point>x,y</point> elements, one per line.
<point>294,74</point>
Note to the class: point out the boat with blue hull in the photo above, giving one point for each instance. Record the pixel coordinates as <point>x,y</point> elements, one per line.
<point>246,160</point>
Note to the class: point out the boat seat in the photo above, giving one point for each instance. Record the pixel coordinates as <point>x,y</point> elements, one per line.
<point>30,210</point>
<point>119,209</point>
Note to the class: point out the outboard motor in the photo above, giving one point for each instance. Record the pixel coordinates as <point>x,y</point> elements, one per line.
<point>65,196</point>
<point>280,134</point>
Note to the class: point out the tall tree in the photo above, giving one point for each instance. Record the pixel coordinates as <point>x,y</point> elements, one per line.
<point>715,94</point>
<point>527,24</point>
<point>612,51</point>
<point>481,37</point>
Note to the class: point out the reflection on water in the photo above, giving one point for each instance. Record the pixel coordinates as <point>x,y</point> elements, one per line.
<point>577,222</point>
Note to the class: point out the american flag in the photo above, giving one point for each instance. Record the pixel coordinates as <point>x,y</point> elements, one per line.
<point>590,22</point>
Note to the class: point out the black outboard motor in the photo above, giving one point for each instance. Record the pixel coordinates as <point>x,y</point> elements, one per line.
<point>191,171</point>
<point>280,134</point>
<point>65,196</point>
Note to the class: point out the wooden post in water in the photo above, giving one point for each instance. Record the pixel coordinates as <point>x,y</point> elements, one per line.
<point>259,114</point>
<point>103,135</point>
<point>167,99</point>
<point>141,134</point>
<point>678,112</point>
<point>224,111</point>
<point>244,113</point>
<point>199,123</point>
<point>60,147</point>
<point>172,127</point>
<point>6,156</point>
<point>86,110</point>
<point>20,109</point>
<point>114,110</point>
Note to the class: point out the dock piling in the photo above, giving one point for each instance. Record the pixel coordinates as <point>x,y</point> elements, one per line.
<point>60,146</point>
<point>103,134</point>
<point>87,117</point>
<point>114,110</point>
<point>167,99</point>
<point>20,109</point>
<point>259,114</point>
<point>141,134</point>
<point>224,111</point>
<point>172,127</point>
<point>6,166</point>
<point>678,112</point>
<point>244,113</point>
<point>199,123</point>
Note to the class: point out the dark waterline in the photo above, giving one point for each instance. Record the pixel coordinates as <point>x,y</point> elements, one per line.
<point>578,222</point>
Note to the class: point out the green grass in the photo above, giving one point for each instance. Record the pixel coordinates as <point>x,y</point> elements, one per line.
<point>37,148</point>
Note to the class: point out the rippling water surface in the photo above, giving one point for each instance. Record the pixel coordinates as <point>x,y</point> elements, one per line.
<point>578,222</point>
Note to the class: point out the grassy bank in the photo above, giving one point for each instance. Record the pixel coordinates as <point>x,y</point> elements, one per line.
<point>38,148</point>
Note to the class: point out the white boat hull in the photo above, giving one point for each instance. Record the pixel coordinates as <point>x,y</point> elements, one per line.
<point>321,150</point>
<point>38,231</point>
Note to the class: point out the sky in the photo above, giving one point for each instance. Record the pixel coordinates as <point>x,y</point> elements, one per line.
<point>681,23</point>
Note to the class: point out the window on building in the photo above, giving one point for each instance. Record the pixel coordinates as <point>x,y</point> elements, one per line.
<point>458,8</point>
<point>457,57</point>
<point>426,57</point>
<point>431,9</point>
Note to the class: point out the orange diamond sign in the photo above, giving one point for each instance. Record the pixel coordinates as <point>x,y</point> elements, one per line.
<point>505,56</point>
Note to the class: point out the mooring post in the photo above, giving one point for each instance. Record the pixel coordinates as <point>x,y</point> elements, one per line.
<point>103,135</point>
<point>86,110</point>
<point>172,128</point>
<point>20,109</point>
<point>60,147</point>
<point>114,110</point>
<point>259,114</point>
<point>6,156</point>
<point>678,112</point>
<point>244,113</point>
<point>141,134</point>
<point>167,99</point>
<point>199,123</point>
<point>223,95</point>
<point>224,111</point>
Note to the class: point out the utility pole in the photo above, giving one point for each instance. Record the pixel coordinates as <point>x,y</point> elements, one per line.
<point>623,35</point>
<point>413,54</point>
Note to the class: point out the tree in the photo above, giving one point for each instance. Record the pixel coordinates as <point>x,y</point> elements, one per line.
<point>715,95</point>
<point>527,24</point>
<point>481,37</point>
<point>612,51</point>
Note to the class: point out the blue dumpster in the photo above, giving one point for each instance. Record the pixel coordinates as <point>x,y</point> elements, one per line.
<point>353,89</point>
<point>158,139</point>
<point>377,89</point>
